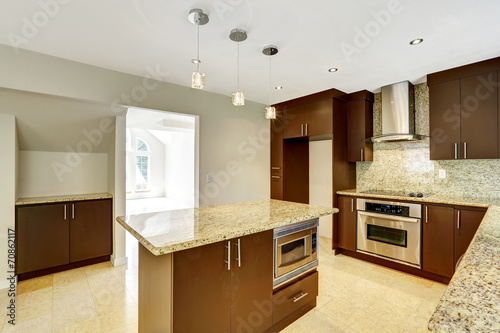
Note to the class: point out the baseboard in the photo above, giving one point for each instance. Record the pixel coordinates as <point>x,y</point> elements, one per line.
<point>5,284</point>
<point>118,261</point>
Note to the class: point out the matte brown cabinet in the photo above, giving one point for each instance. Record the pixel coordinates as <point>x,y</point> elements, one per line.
<point>464,118</point>
<point>225,286</point>
<point>277,144</point>
<point>51,235</point>
<point>347,223</point>
<point>447,233</point>
<point>360,127</point>
<point>314,118</point>
<point>277,186</point>
<point>90,229</point>
<point>42,235</point>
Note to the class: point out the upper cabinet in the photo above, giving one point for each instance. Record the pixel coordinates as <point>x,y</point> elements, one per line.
<point>314,118</point>
<point>464,120</point>
<point>360,127</point>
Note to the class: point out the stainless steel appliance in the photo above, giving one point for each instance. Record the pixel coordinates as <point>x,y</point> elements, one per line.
<point>390,230</point>
<point>295,250</point>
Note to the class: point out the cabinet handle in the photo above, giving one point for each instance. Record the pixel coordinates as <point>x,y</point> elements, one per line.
<point>352,205</point>
<point>301,129</point>
<point>306,128</point>
<point>426,214</point>
<point>302,295</point>
<point>465,149</point>
<point>275,168</point>
<point>278,177</point>
<point>239,253</point>
<point>65,212</point>
<point>362,155</point>
<point>228,261</point>
<point>456,150</point>
<point>458,220</point>
<point>72,211</point>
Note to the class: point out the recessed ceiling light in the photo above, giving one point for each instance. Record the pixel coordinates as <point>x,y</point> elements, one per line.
<point>278,87</point>
<point>333,69</point>
<point>416,41</point>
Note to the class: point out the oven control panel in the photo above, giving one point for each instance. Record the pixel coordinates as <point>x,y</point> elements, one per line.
<point>387,209</point>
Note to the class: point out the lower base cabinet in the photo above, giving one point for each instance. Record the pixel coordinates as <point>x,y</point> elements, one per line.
<point>225,286</point>
<point>291,298</point>
<point>58,234</point>
<point>447,233</point>
<point>346,230</point>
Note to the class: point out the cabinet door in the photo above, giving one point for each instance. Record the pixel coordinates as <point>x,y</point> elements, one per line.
<point>90,231</point>
<point>277,144</point>
<point>319,117</point>
<point>360,127</point>
<point>347,223</point>
<point>202,289</point>
<point>277,186</point>
<point>252,283</point>
<point>437,240</point>
<point>479,114</point>
<point>294,120</point>
<point>466,224</point>
<point>42,237</point>
<point>444,105</point>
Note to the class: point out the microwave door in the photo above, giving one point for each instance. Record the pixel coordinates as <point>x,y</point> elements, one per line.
<point>292,252</point>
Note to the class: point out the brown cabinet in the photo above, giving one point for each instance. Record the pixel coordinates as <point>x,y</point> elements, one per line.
<point>42,235</point>
<point>277,186</point>
<point>90,229</point>
<point>210,293</point>
<point>464,122</point>
<point>360,127</point>
<point>52,235</point>
<point>277,144</point>
<point>447,233</point>
<point>466,224</point>
<point>347,223</point>
<point>437,240</point>
<point>314,118</point>
<point>294,296</point>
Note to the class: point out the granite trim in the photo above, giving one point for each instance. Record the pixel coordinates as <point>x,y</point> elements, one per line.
<point>62,198</point>
<point>471,303</point>
<point>171,231</point>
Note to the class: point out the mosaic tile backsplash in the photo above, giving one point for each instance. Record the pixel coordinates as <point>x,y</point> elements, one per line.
<point>406,166</point>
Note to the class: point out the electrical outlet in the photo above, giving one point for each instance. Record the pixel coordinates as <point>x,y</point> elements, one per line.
<point>209,178</point>
<point>442,173</point>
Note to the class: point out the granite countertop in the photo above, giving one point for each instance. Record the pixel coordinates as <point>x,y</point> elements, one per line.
<point>62,198</point>
<point>170,231</point>
<point>471,303</point>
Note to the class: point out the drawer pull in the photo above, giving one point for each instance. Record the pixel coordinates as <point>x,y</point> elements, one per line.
<point>275,168</point>
<point>276,177</point>
<point>302,295</point>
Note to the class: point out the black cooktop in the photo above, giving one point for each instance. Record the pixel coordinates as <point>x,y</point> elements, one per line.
<point>398,193</point>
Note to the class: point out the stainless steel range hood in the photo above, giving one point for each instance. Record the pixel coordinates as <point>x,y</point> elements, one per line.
<point>398,114</point>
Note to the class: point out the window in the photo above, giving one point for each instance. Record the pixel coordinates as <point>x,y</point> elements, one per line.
<point>138,169</point>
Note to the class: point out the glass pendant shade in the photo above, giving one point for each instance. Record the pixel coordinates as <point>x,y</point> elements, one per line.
<point>238,98</point>
<point>198,80</point>
<point>270,112</point>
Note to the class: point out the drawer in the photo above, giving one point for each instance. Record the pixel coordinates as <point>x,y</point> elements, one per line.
<point>291,298</point>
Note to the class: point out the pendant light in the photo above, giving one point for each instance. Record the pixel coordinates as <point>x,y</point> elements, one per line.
<point>270,50</point>
<point>197,17</point>
<point>238,35</point>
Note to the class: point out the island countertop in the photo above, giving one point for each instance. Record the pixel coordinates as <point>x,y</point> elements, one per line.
<point>169,231</point>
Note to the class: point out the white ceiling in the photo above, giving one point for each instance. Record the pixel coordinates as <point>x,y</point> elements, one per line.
<point>130,35</point>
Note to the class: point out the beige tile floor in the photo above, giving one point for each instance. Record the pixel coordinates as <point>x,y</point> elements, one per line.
<point>355,296</point>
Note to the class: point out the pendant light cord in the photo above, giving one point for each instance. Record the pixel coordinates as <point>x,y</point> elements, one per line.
<point>238,62</point>
<point>270,85</point>
<point>198,54</point>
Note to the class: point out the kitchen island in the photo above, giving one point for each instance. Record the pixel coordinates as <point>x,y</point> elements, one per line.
<point>180,241</point>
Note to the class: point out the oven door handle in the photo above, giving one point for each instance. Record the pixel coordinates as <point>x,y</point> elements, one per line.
<point>390,217</point>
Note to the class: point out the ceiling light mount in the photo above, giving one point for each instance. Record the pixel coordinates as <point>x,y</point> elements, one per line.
<point>270,50</point>
<point>197,17</point>
<point>333,69</point>
<point>238,35</point>
<point>416,41</point>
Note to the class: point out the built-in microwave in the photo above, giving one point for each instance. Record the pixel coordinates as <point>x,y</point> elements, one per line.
<point>295,250</point>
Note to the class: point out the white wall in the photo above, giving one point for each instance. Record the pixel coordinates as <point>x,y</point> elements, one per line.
<point>37,177</point>
<point>8,188</point>
<point>320,181</point>
<point>118,257</point>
